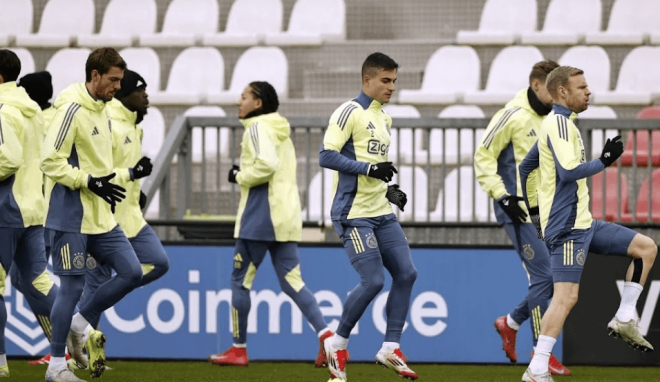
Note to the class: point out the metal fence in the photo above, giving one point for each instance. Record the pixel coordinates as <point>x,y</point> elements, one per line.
<point>434,158</point>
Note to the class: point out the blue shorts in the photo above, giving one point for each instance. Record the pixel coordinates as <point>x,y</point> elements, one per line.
<point>23,247</point>
<point>71,250</point>
<point>569,254</point>
<point>365,237</point>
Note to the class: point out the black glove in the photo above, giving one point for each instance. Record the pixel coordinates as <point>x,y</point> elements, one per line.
<point>535,215</point>
<point>611,151</point>
<point>142,168</point>
<point>231,177</point>
<point>396,196</point>
<point>510,205</point>
<point>111,193</point>
<point>383,171</point>
<point>143,200</point>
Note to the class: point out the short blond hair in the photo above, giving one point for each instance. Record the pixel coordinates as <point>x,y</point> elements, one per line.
<point>559,77</point>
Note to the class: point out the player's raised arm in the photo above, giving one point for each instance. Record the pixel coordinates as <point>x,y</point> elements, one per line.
<point>262,147</point>
<point>57,149</point>
<point>340,130</point>
<point>11,150</point>
<point>496,138</point>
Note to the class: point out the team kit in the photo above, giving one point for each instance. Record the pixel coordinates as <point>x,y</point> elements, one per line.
<point>70,190</point>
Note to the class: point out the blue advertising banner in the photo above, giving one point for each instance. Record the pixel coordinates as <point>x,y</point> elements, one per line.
<point>186,315</point>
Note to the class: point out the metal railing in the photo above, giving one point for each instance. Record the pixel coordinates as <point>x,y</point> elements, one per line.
<point>434,157</point>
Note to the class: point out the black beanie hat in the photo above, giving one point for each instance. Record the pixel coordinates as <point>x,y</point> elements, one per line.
<point>39,86</point>
<point>268,96</point>
<point>131,82</point>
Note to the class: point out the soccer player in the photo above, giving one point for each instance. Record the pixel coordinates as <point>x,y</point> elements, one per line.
<point>126,111</point>
<point>77,157</point>
<point>268,219</point>
<point>356,146</point>
<point>562,209</point>
<point>21,200</point>
<point>39,88</point>
<point>509,136</point>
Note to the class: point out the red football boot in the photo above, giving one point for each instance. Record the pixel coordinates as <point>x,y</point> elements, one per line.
<point>321,359</point>
<point>235,356</point>
<point>45,360</point>
<point>555,367</point>
<point>508,338</point>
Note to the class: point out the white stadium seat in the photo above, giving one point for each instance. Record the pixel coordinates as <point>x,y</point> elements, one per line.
<point>462,111</point>
<point>313,22</point>
<point>123,21</point>
<point>420,199</point>
<point>318,186</point>
<point>599,112</point>
<point>450,72</point>
<point>210,134</point>
<point>630,22</point>
<point>146,63</point>
<point>247,23</point>
<point>595,63</point>
<point>61,21</point>
<point>67,66</point>
<point>638,81</point>
<point>186,21</point>
<point>153,126</point>
<point>467,189</point>
<point>27,62</point>
<point>195,73</point>
<point>467,145</point>
<point>15,18</point>
<point>405,154</point>
<point>508,73</point>
<point>153,209</point>
<point>566,23</point>
<point>502,21</point>
<point>256,64</point>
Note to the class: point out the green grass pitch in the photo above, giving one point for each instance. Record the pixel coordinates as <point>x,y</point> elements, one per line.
<point>359,372</point>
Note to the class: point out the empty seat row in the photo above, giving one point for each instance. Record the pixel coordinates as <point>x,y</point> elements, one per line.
<point>197,74</point>
<point>614,199</point>
<point>452,75</point>
<point>459,183</point>
<point>567,22</point>
<point>187,22</point>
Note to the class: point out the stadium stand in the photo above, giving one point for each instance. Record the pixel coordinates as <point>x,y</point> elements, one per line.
<point>640,154</point>
<point>15,18</point>
<point>460,181</point>
<point>154,132</point>
<point>312,23</point>
<point>57,28</point>
<point>403,148</point>
<point>123,22</point>
<point>566,23</point>
<point>645,214</point>
<point>451,148</point>
<point>210,134</point>
<point>504,79</point>
<point>27,62</point>
<point>610,196</point>
<point>321,184</point>
<point>449,73</point>
<point>414,182</point>
<point>630,22</point>
<point>195,73</point>
<point>146,62</point>
<point>502,22</point>
<point>256,64</point>
<point>248,22</point>
<point>186,21</point>
<point>651,112</point>
<point>638,81</point>
<point>66,67</point>
<point>599,112</point>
